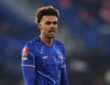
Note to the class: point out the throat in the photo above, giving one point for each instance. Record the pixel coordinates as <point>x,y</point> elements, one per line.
<point>47,41</point>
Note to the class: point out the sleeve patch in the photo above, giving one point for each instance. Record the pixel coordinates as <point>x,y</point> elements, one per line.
<point>25,51</point>
<point>24,58</point>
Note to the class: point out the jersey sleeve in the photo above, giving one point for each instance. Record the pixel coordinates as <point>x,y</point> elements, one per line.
<point>64,58</point>
<point>28,65</point>
<point>28,58</point>
<point>64,79</point>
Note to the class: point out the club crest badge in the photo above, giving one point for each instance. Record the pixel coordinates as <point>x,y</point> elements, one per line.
<point>60,57</point>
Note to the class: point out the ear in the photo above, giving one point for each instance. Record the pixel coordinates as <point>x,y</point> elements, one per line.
<point>40,26</point>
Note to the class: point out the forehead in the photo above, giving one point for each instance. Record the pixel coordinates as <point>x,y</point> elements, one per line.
<point>49,18</point>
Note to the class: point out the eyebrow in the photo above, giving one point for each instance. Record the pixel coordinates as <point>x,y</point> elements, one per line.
<point>50,21</point>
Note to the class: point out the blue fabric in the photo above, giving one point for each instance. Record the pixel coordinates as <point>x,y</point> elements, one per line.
<point>44,65</point>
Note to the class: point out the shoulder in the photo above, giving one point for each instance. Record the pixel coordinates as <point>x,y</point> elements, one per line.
<point>32,43</point>
<point>31,46</point>
<point>59,44</point>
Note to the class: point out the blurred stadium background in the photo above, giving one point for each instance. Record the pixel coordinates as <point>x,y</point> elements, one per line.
<point>84,28</point>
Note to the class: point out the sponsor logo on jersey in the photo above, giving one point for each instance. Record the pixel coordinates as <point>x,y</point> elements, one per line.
<point>44,57</point>
<point>25,51</point>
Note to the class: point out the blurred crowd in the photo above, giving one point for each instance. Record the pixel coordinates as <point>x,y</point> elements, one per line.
<point>85,24</point>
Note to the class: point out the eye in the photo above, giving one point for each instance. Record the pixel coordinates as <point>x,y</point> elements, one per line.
<point>55,23</point>
<point>47,23</point>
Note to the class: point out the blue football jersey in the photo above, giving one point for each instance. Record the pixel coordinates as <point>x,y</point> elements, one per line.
<point>42,64</point>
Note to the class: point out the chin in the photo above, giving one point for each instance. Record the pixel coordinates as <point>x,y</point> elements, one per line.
<point>50,37</point>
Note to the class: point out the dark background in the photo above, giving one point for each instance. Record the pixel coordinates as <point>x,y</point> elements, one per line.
<point>84,29</point>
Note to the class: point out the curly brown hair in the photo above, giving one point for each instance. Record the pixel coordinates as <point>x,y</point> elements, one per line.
<point>48,11</point>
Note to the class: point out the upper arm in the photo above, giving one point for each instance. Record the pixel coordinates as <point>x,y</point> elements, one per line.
<point>64,58</point>
<point>28,58</point>
<point>28,65</point>
<point>64,80</point>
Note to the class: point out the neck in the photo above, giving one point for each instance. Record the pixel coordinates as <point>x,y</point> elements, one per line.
<point>47,41</point>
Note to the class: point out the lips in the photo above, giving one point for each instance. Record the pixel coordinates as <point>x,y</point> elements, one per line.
<point>52,31</point>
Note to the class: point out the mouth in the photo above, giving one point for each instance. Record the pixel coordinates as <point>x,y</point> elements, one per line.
<point>52,32</point>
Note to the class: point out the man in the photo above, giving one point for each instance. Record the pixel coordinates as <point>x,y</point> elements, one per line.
<point>43,58</point>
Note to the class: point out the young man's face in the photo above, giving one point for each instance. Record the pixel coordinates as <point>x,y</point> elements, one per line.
<point>48,26</point>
